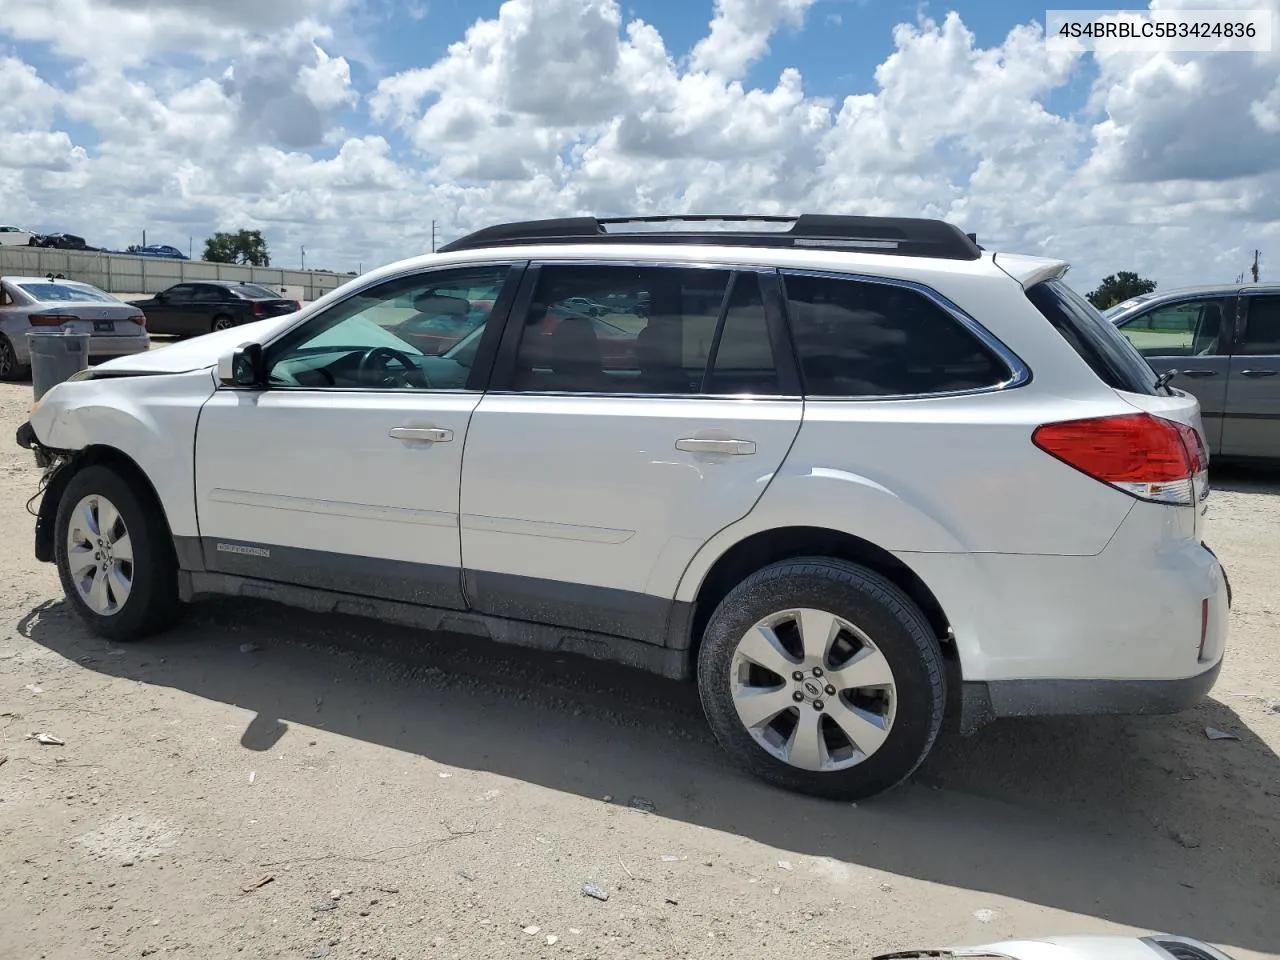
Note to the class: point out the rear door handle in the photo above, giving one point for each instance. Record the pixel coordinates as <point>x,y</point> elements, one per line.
<point>1257,373</point>
<point>1198,373</point>
<point>429,434</point>
<point>732,448</point>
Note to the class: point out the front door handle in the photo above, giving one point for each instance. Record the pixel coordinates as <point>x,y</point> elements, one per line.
<point>429,434</point>
<point>732,448</point>
<point>1198,373</point>
<point>1257,373</point>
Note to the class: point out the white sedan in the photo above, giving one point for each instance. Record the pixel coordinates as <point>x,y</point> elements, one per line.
<point>57,305</point>
<point>11,236</point>
<point>1077,947</point>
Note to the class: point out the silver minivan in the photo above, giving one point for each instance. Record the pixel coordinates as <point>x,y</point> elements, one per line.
<point>1221,344</point>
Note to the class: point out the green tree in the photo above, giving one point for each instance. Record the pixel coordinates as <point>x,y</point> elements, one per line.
<point>243,246</point>
<point>1120,287</point>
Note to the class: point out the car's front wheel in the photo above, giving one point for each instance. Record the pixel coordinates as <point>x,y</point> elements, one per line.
<point>114,556</point>
<point>222,322</point>
<point>823,677</point>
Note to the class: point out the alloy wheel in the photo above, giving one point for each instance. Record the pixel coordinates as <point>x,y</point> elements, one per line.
<point>100,555</point>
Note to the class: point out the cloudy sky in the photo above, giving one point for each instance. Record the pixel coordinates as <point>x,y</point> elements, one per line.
<point>347,126</point>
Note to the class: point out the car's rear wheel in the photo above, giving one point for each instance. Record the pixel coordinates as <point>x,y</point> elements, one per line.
<point>114,556</point>
<point>10,369</point>
<point>223,322</point>
<point>823,677</point>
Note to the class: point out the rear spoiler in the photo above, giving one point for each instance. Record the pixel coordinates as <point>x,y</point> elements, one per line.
<point>1029,271</point>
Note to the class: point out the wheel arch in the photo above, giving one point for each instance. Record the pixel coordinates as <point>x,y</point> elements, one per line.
<point>765,547</point>
<point>91,456</point>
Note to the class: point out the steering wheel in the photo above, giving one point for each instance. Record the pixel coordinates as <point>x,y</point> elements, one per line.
<point>374,362</point>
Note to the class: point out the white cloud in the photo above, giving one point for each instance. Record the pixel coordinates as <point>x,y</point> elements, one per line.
<point>562,106</point>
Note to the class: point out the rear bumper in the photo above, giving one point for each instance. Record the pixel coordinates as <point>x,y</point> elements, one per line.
<point>1064,698</point>
<point>99,347</point>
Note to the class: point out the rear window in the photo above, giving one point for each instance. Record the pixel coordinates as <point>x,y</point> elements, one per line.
<point>65,293</point>
<point>1099,344</point>
<point>252,291</point>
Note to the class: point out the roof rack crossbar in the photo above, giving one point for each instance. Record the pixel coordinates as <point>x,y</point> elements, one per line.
<point>900,236</point>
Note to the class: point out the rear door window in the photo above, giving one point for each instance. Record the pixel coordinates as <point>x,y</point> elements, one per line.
<point>857,338</point>
<point>1099,344</point>
<point>1188,329</point>
<point>1262,328</point>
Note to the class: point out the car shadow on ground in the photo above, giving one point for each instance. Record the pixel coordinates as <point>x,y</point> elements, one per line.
<point>1142,821</point>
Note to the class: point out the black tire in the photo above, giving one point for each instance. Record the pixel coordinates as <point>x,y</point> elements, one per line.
<point>10,369</point>
<point>221,322</point>
<point>153,603</point>
<point>886,615</point>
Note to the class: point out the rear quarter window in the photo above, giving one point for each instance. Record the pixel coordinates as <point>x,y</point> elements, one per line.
<point>1108,353</point>
<point>857,338</point>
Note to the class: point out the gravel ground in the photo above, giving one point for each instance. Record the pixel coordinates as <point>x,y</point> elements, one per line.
<point>263,783</point>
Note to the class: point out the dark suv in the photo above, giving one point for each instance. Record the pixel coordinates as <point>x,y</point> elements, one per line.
<point>189,309</point>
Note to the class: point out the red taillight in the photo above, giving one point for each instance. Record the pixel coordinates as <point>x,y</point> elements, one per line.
<point>50,319</point>
<point>257,309</point>
<point>1145,456</point>
<point>297,305</point>
<point>140,319</point>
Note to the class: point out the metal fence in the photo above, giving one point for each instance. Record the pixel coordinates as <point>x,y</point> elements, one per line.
<point>121,273</point>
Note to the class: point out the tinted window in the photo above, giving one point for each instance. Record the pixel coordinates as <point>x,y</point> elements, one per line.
<point>209,294</point>
<point>585,331</point>
<point>744,355</point>
<point>182,292</point>
<point>1187,329</point>
<point>861,339</point>
<point>379,338</point>
<point>1262,333</point>
<point>1099,344</point>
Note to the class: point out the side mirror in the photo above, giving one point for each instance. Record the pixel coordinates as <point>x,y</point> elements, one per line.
<point>242,367</point>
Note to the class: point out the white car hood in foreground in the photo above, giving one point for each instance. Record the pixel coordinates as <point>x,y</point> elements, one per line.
<point>1079,947</point>
<point>198,352</point>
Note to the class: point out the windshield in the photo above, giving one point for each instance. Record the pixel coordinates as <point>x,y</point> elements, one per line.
<point>66,293</point>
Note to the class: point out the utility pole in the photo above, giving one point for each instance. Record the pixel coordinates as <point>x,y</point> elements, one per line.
<point>304,257</point>
<point>433,236</point>
<point>1254,268</point>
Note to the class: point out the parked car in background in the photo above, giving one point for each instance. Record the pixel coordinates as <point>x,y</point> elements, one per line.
<point>160,250</point>
<point>60,241</point>
<point>11,236</point>
<point>1221,344</point>
<point>55,305</point>
<point>190,309</point>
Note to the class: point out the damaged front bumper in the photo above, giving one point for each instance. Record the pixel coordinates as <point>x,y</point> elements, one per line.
<point>26,437</point>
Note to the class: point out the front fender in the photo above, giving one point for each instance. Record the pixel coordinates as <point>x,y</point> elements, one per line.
<point>150,419</point>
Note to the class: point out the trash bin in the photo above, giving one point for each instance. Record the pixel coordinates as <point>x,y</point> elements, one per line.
<point>55,357</point>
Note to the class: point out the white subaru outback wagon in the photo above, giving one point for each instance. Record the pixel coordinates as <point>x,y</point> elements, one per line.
<point>856,476</point>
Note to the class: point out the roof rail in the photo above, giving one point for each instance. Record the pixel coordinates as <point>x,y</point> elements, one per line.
<point>898,236</point>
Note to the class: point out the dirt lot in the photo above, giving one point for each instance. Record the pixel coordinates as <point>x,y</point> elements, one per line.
<point>412,796</point>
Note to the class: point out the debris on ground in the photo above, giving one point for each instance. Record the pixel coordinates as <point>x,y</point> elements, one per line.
<point>531,930</point>
<point>784,864</point>
<point>641,804</point>
<point>315,953</point>
<point>335,895</point>
<point>1188,840</point>
<point>34,688</point>
<point>591,890</point>
<point>984,915</point>
<point>253,775</point>
<point>551,939</point>
<point>250,647</point>
<point>323,906</point>
<point>49,740</point>
<point>466,874</point>
<point>671,858</point>
<point>262,881</point>
<point>1213,733</point>
<point>674,903</point>
<point>4,758</point>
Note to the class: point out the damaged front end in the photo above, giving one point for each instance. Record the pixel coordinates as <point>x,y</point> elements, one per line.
<point>54,463</point>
